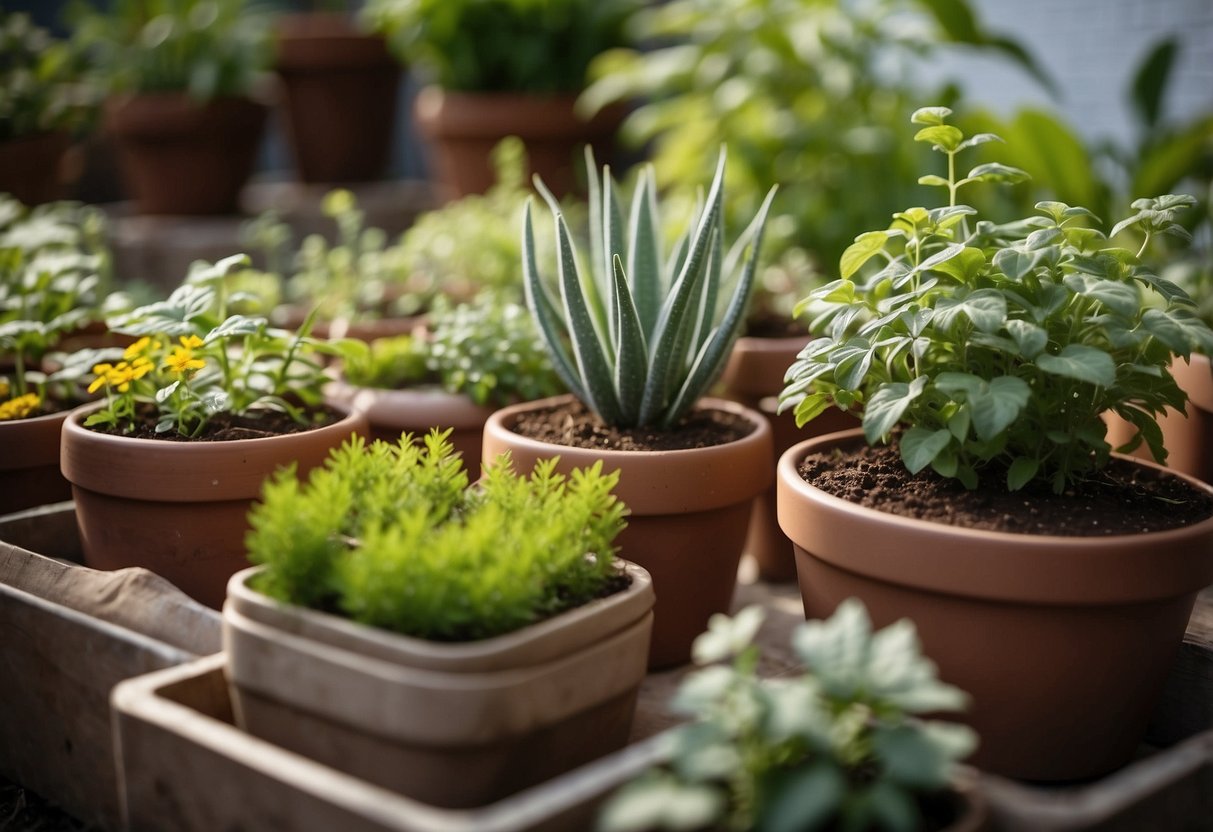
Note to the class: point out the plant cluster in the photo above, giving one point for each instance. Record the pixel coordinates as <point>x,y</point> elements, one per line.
<point>208,48</point>
<point>391,536</point>
<point>998,346</point>
<point>649,333</point>
<point>486,349</point>
<point>194,360</point>
<point>840,747</point>
<point>40,81</point>
<point>537,46</point>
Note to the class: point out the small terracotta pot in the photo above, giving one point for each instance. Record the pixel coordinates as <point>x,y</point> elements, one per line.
<point>1062,642</point>
<point>689,511</point>
<point>451,724</point>
<point>179,508</point>
<point>182,157</point>
<point>339,92</point>
<point>392,412</point>
<point>363,329</point>
<point>30,167</point>
<point>463,128</point>
<point>29,463</point>
<point>754,377</point>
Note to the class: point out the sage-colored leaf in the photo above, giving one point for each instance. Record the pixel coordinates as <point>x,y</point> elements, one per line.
<point>865,247</point>
<point>1021,472</point>
<point>887,405</point>
<point>920,446</point>
<point>631,365</point>
<point>1082,363</point>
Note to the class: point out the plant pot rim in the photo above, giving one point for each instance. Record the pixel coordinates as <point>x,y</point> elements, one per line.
<point>470,115</point>
<point>326,42</point>
<point>411,408</point>
<point>992,564</point>
<point>26,440</point>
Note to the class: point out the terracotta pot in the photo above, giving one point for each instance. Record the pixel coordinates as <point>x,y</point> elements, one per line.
<point>753,376</point>
<point>689,511</point>
<point>182,157</point>
<point>30,167</point>
<point>292,316</point>
<point>339,91</point>
<point>29,463</point>
<point>463,128</point>
<point>178,508</point>
<point>1063,642</point>
<point>392,412</point>
<point>451,724</point>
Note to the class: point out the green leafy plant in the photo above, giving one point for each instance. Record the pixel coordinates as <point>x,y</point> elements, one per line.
<point>840,747</point>
<point>649,334</point>
<point>539,46</point>
<point>194,360</point>
<point>391,536</point>
<point>998,346</point>
<point>40,81</point>
<point>208,48</point>
<point>487,349</point>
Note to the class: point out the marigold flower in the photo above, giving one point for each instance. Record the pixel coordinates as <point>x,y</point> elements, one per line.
<point>19,407</point>
<point>140,347</point>
<point>182,361</point>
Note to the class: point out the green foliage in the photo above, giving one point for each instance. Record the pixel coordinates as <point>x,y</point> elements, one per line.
<point>649,333</point>
<point>390,536</point>
<point>998,345</point>
<point>40,81</point>
<point>840,747</point>
<point>207,48</point>
<point>538,46</point>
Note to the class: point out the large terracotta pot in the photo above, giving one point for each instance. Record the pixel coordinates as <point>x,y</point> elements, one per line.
<point>392,412</point>
<point>451,724</point>
<point>339,90</point>
<point>182,157</point>
<point>689,511</point>
<point>1063,642</point>
<point>29,463</point>
<point>179,508</point>
<point>753,376</point>
<point>30,167</point>
<point>463,128</point>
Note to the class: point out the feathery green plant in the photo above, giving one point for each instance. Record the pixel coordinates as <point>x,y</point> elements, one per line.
<point>648,332</point>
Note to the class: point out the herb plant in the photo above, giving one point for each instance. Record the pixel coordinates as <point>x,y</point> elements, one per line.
<point>998,346</point>
<point>194,360</point>
<point>391,536</point>
<point>840,747</point>
<point>649,334</point>
<point>40,81</point>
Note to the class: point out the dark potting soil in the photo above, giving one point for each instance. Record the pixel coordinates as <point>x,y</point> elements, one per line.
<point>774,326</point>
<point>227,427</point>
<point>574,425</point>
<point>1122,499</point>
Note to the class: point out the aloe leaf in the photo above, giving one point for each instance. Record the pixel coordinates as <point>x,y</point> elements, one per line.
<point>591,286</point>
<point>711,289</point>
<point>544,311</point>
<point>631,366</point>
<point>612,232</point>
<point>644,256</point>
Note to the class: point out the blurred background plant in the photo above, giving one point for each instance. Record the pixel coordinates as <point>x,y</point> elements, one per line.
<point>41,86</point>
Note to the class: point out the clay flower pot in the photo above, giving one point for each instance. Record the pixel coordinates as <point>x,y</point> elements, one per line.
<point>29,463</point>
<point>1063,642</point>
<point>463,128</point>
<point>753,376</point>
<point>182,157</point>
<point>451,724</point>
<point>339,92</point>
<point>292,316</point>
<point>689,511</point>
<point>392,412</point>
<point>29,167</point>
<point>178,508</point>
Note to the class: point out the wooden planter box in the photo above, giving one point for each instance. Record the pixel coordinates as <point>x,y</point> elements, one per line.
<point>68,634</point>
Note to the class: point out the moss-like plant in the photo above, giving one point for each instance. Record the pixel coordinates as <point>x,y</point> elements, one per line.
<point>391,536</point>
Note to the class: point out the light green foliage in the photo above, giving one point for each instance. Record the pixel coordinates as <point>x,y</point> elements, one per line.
<point>388,363</point>
<point>998,346</point>
<point>540,46</point>
<point>40,87</point>
<point>840,747</point>
<point>649,332</point>
<point>207,48</point>
<point>391,537</point>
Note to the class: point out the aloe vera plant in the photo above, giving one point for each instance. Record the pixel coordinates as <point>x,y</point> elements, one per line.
<point>644,335</point>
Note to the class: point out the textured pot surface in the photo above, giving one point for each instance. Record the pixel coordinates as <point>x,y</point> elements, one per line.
<point>463,128</point>
<point>181,157</point>
<point>179,508</point>
<point>29,167</point>
<point>457,725</point>
<point>1063,642</point>
<point>29,463</point>
<point>689,511</point>
<point>1189,441</point>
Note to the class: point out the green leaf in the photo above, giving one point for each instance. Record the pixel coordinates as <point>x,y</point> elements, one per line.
<point>544,311</point>
<point>933,180</point>
<point>810,407</point>
<point>920,446</point>
<point>1030,338</point>
<point>995,172</point>
<point>1082,363</point>
<point>631,366</point>
<point>1118,297</point>
<point>930,115</point>
<point>805,798</point>
<point>965,266</point>
<point>986,308</point>
<point>997,406</point>
<point>865,247</point>
<point>1015,263</point>
<point>942,256</point>
<point>644,256</point>
<point>943,136</point>
<point>1021,472</point>
<point>1150,81</point>
<point>884,410</point>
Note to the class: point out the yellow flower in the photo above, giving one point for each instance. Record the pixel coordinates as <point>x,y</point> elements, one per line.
<point>191,342</point>
<point>141,346</point>
<point>182,361</point>
<point>3,387</point>
<point>120,375</point>
<point>19,407</point>
<point>102,371</point>
<point>140,367</point>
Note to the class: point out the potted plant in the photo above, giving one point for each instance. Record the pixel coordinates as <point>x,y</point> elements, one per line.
<point>842,746</point>
<point>455,645</point>
<point>638,345</point>
<point>182,109</point>
<point>339,86</point>
<point>1048,578</point>
<point>196,413</point>
<point>468,359</point>
<point>503,68</point>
